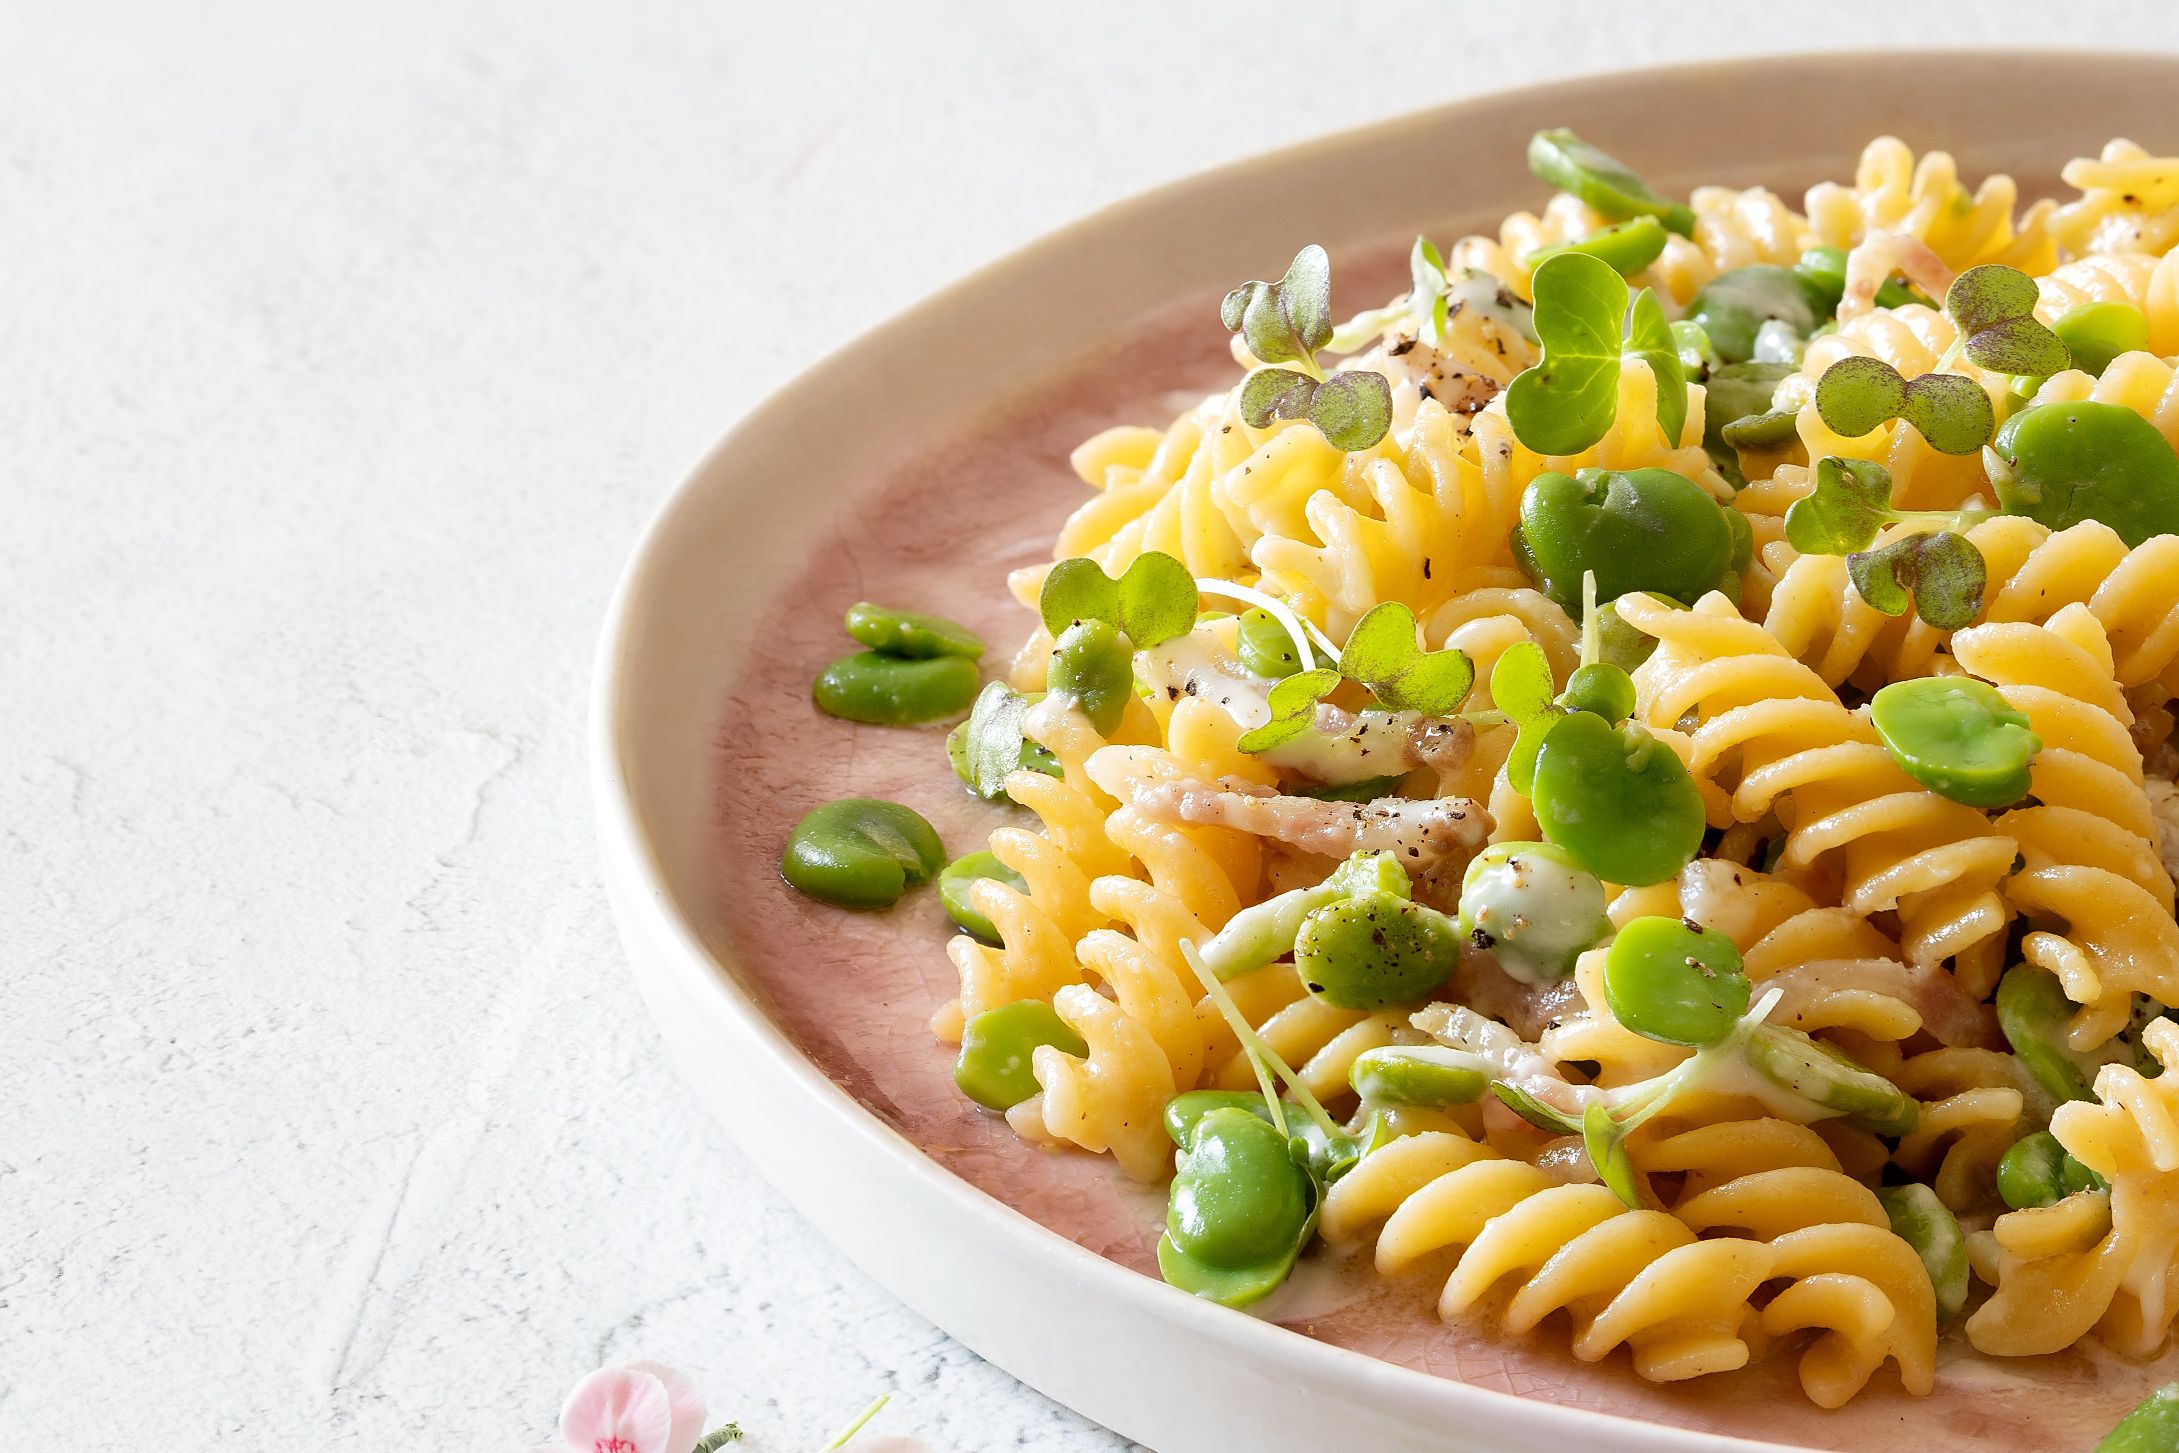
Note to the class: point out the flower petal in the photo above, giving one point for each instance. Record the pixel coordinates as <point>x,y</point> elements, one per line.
<point>687,1403</point>
<point>618,1410</point>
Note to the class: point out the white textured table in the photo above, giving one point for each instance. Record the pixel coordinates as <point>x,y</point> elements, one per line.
<point>341,358</point>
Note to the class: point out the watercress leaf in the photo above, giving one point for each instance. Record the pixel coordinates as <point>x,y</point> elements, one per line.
<point>1850,503</point>
<point>1520,683</point>
<point>1306,293</point>
<point>1535,1111</point>
<point>1941,572</point>
<point>1293,709</point>
<point>1649,338</point>
<point>1950,411</point>
<point>1077,590</point>
<point>1434,685</point>
<point>1352,410</point>
<point>1156,600</point>
<point>1858,395</point>
<point>1994,306</point>
<point>1567,401</point>
<point>1606,1143</point>
<point>1275,393</point>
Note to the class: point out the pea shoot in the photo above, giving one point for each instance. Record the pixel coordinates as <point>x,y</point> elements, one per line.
<point>1606,183</point>
<point>1287,323</point>
<point>1939,570</point>
<point>2062,463</point>
<point>1958,737</point>
<point>1635,529</point>
<point>1382,654</point>
<point>1588,327</point>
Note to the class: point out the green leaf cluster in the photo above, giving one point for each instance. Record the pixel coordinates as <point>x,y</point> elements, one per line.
<point>1289,322</point>
<point>1940,571</point>
<point>1153,601</point>
<point>1381,655</point>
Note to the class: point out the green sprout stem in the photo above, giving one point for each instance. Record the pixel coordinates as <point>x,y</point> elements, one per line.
<point>1302,631</point>
<point>859,1424</point>
<point>1260,1053</point>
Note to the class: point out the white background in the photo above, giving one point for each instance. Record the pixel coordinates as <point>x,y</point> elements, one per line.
<point>342,355</point>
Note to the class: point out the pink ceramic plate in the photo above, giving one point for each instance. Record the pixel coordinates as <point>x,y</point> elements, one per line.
<point>916,467</point>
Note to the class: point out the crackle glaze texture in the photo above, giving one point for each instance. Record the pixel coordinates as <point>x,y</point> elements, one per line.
<point>343,354</point>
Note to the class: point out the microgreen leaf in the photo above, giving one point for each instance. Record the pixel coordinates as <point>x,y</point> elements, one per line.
<point>1568,400</point>
<point>1275,393</point>
<point>1153,601</point>
<point>1426,291</point>
<point>1381,653</point>
<point>1077,590</point>
<point>1994,307</point>
<point>1649,338</point>
<point>1528,745</point>
<point>1533,1110</point>
<point>1157,600</point>
<point>1520,683</point>
<point>1289,320</point>
<point>1942,572</point>
<point>1352,410</point>
<point>1950,411</point>
<point>1606,1141</point>
<point>1851,502</point>
<point>1293,709</point>
<point>1857,395</point>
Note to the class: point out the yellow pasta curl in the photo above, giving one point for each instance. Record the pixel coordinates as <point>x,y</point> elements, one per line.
<point>1639,1279</point>
<point>2129,202</point>
<point>1926,200</point>
<point>1851,1280</point>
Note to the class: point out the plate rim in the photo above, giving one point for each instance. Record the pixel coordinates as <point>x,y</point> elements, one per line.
<point>649,916</point>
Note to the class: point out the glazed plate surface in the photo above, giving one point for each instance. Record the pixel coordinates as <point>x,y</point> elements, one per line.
<point>917,467</point>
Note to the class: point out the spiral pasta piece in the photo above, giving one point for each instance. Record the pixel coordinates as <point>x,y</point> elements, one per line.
<point>1770,736</point>
<point>2129,202</point>
<point>2098,1261</point>
<point>1639,1279</point>
<point>2089,839</point>
<point>1850,1279</point>
<point>1925,199</point>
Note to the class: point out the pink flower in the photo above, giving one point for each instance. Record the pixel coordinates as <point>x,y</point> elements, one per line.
<point>641,1407</point>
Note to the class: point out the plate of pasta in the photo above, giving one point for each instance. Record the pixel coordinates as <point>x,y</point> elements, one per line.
<point>1506,778</point>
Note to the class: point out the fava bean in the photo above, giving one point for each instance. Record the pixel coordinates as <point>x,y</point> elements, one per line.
<point>2097,333</point>
<point>1619,644</point>
<point>1638,529</point>
<point>2032,1011</point>
<point>1733,306</point>
<point>1185,1109</point>
<point>1533,907</point>
<point>1924,1223</point>
<point>1957,737</point>
<point>998,1047</point>
<point>989,746</point>
<point>2152,1427</point>
<point>861,852</point>
<point>1264,646</point>
<point>1374,951</point>
<point>963,874</point>
<point>1822,271</point>
<point>2062,463</point>
<point>910,633</point>
<point>1617,799</point>
<point>2033,1172</point>
<point>1094,664</point>
<point>1626,247</point>
<point>1239,1210</point>
<point>895,690</point>
<point>1430,1077</point>
<point>1821,1076</point>
<point>1601,689</point>
<point>1607,184</point>
<point>1671,980</point>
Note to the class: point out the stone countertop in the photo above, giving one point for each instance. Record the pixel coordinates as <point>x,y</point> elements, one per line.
<point>342,355</point>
